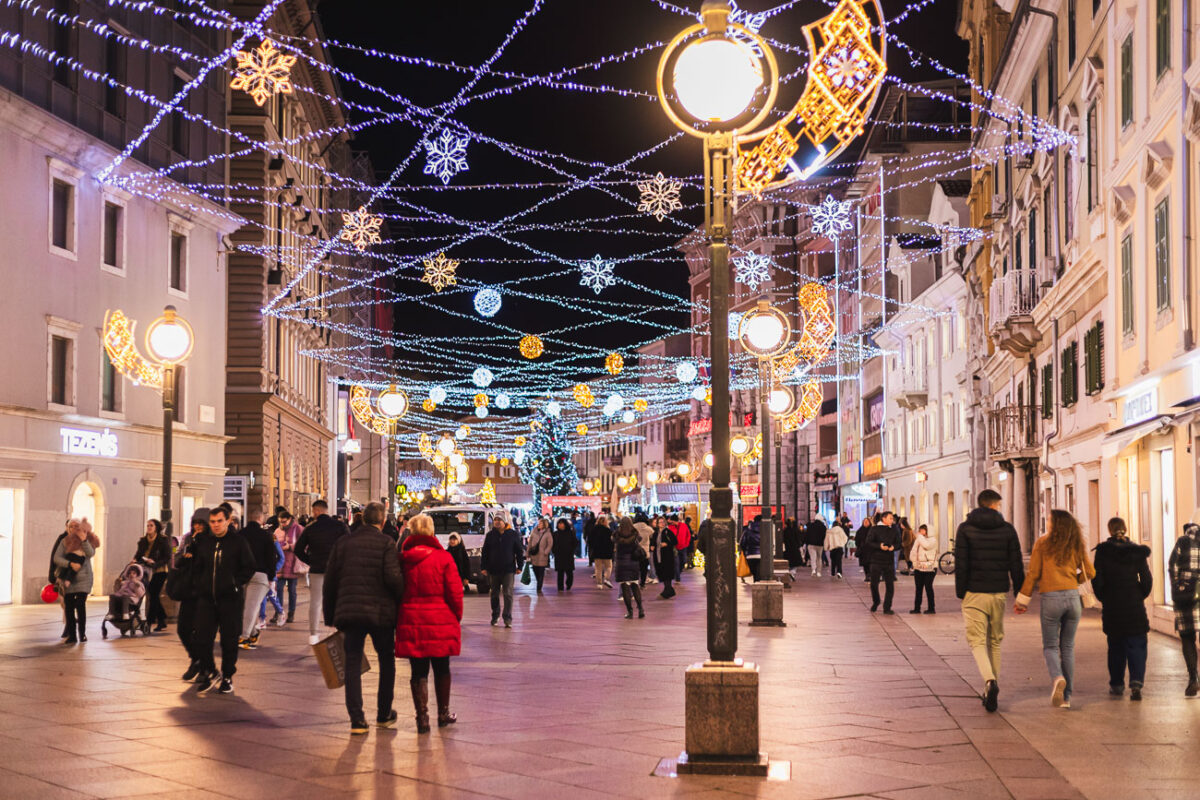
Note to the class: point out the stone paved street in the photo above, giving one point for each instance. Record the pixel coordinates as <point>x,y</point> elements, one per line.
<point>577,702</point>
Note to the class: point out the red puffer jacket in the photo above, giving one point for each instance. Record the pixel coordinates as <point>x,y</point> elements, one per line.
<point>432,608</point>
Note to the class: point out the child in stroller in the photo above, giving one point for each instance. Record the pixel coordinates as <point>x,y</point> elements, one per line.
<point>125,603</point>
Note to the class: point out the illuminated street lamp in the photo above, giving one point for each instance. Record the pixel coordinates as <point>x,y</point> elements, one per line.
<point>739,446</point>
<point>446,446</point>
<point>652,476</point>
<point>683,469</point>
<point>169,339</point>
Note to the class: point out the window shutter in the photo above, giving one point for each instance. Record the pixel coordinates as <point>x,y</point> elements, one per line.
<point>1070,369</point>
<point>1048,390</point>
<point>1094,351</point>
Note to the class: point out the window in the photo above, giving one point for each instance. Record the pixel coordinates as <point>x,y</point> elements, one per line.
<point>1033,238</point>
<point>1070,375</point>
<point>114,235</point>
<point>1093,158</point>
<point>1127,81</point>
<point>1095,7</point>
<point>179,394</point>
<point>1048,390</point>
<point>1071,26</point>
<point>1069,196</point>
<point>1127,284</point>
<point>60,370</point>
<point>114,65</point>
<point>1093,349</point>
<point>1162,36</point>
<point>1018,254</point>
<point>1046,233</point>
<point>66,39</point>
<point>178,261</point>
<point>1162,254</point>
<point>178,129</point>
<point>489,470</point>
<point>979,62</point>
<point>1033,99</point>
<point>110,384</point>
<point>62,215</point>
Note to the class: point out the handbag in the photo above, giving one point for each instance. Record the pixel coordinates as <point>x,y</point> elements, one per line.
<point>526,574</point>
<point>1086,595</point>
<point>743,566</point>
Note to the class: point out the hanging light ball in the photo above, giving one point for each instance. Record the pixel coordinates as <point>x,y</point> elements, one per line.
<point>554,408</point>
<point>481,412</point>
<point>614,363</point>
<point>482,377</point>
<point>480,399</point>
<point>491,458</point>
<point>530,346</point>
<point>708,395</point>
<point>535,425</point>
<point>503,401</point>
<point>583,395</point>
<point>581,429</point>
<point>428,405</point>
<point>519,457</point>
<point>504,462</point>
<point>519,441</point>
<point>463,432</point>
<point>487,302</point>
<point>686,372</point>
<point>628,417</point>
<point>698,393</point>
<point>640,405</point>
<point>437,394</point>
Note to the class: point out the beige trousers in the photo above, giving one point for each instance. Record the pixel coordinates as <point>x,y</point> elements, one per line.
<point>983,615</point>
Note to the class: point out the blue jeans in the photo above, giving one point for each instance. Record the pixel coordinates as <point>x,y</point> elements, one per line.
<point>290,585</point>
<point>1061,612</point>
<point>1129,650</point>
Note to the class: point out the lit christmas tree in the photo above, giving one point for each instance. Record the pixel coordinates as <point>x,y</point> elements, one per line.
<point>548,466</point>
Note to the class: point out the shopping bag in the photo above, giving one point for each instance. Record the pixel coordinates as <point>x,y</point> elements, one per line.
<point>526,574</point>
<point>331,657</point>
<point>743,569</point>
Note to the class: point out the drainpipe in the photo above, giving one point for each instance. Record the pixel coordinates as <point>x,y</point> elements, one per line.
<point>1185,148</point>
<point>1054,370</point>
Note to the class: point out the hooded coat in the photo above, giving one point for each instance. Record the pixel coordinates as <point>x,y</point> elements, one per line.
<point>626,547</point>
<point>814,533</point>
<point>565,545</point>
<point>430,617</point>
<point>1122,584</point>
<point>539,547</point>
<point>793,543</point>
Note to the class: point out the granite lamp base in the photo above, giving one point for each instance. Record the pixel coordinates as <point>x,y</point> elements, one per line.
<point>766,603</point>
<point>721,709</point>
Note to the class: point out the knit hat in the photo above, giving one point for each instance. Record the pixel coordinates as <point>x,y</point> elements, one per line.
<point>200,515</point>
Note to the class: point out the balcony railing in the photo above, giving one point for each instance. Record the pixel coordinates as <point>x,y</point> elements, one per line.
<point>1013,295</point>
<point>1013,429</point>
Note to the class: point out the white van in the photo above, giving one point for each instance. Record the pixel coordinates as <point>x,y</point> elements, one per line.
<point>471,523</point>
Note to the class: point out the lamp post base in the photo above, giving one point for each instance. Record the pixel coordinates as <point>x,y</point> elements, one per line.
<point>766,604</point>
<point>721,719</point>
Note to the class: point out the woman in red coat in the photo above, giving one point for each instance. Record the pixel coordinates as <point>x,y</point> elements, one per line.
<point>428,627</point>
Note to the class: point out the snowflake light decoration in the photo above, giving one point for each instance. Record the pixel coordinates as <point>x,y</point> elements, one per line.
<point>482,377</point>
<point>361,228</point>
<point>614,363</point>
<point>440,272</point>
<point>831,218</point>
<point>263,72</point>
<point>487,302</point>
<point>753,269</point>
<point>596,274</point>
<point>446,155</point>
<point>847,68</point>
<point>660,196</point>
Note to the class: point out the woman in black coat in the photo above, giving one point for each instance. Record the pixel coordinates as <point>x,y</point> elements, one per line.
<point>563,551</point>
<point>793,544</point>
<point>1122,583</point>
<point>154,553</point>
<point>462,560</point>
<point>662,542</point>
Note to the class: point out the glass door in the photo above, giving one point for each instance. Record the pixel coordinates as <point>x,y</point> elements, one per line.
<point>8,532</point>
<point>1166,472</point>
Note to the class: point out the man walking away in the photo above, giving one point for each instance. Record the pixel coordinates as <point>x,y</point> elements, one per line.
<point>882,543</point>
<point>499,560</point>
<point>987,563</point>
<point>814,542</point>
<point>362,588</point>
<point>313,548</point>
<point>860,548</point>
<point>600,546</point>
<point>262,546</point>
<point>835,544</point>
<point>224,566</point>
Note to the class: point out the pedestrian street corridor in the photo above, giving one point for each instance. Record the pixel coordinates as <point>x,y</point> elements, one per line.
<point>577,702</point>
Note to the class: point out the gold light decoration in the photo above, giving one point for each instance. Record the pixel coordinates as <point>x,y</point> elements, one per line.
<point>480,400</point>
<point>488,493</point>
<point>819,329</point>
<point>708,395</point>
<point>440,272</point>
<point>121,347</point>
<point>492,458</point>
<point>614,363</point>
<point>463,431</point>
<point>846,68</point>
<point>535,425</point>
<point>263,72</point>
<point>361,228</point>
<point>428,404</point>
<point>425,447</point>
<point>519,441</point>
<point>640,405</point>
<point>810,401</point>
<point>364,412</point>
<point>531,346</point>
<point>581,429</point>
<point>504,462</point>
<point>583,395</point>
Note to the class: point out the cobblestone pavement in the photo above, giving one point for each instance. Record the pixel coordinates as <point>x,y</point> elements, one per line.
<point>577,702</point>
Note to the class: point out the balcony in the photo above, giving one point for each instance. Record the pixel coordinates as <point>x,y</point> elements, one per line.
<point>1014,431</point>
<point>913,391</point>
<point>1011,303</point>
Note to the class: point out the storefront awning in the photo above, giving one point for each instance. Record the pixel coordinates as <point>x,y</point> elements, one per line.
<point>1116,441</point>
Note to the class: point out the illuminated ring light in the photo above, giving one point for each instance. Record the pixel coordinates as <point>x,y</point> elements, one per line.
<point>846,66</point>
<point>764,330</point>
<point>531,346</point>
<point>170,338</point>
<point>392,403</point>
<point>781,401</point>
<point>739,446</point>
<point>121,346</point>
<point>360,405</point>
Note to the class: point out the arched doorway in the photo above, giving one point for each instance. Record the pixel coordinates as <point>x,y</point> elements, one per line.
<point>88,501</point>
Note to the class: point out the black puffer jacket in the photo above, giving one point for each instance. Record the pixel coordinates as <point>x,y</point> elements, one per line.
<point>814,533</point>
<point>564,549</point>
<point>262,545</point>
<point>987,555</point>
<point>158,553</point>
<point>316,542</point>
<point>363,581</point>
<point>223,564</point>
<point>600,543</point>
<point>877,537</point>
<point>1122,583</point>
<point>627,550</point>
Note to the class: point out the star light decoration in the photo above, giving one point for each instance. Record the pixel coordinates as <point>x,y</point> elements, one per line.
<point>831,218</point>
<point>614,363</point>
<point>263,72</point>
<point>753,269</point>
<point>531,346</point>
<point>596,274</point>
<point>361,228</point>
<point>487,302</point>
<point>446,155</point>
<point>440,272</point>
<point>660,196</point>
<point>847,68</point>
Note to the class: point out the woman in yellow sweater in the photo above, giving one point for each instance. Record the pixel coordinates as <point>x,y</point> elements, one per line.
<point>1058,564</point>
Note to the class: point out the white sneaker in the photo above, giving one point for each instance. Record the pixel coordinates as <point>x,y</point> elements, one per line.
<point>1056,694</point>
<point>313,639</point>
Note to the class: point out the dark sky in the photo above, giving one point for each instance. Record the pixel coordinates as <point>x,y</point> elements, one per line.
<point>584,126</point>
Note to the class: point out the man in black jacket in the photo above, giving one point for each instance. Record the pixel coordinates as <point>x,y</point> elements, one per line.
<point>501,555</point>
<point>313,548</point>
<point>223,565</point>
<point>882,543</point>
<point>600,549</point>
<point>987,563</point>
<point>363,585</point>
<point>262,546</point>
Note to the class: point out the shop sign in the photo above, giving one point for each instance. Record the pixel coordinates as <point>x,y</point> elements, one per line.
<point>352,447</point>
<point>702,427</point>
<point>874,414</point>
<point>77,442</point>
<point>1140,407</point>
<point>851,473</point>
<point>750,490</point>
<point>873,465</point>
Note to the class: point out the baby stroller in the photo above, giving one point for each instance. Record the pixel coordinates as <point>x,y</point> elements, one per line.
<point>125,603</point>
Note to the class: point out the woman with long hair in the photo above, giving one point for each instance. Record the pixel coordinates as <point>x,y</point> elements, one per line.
<point>1185,575</point>
<point>627,548</point>
<point>154,553</point>
<point>1058,565</point>
<point>538,549</point>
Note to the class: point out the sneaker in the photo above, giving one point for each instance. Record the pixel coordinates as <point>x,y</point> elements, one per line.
<point>508,623</point>
<point>494,621</point>
<point>208,682</point>
<point>930,611</point>
<point>1135,693</point>
<point>247,644</point>
<point>1066,705</point>
<point>203,679</point>
<point>991,695</point>
<point>358,727</point>
<point>160,627</point>
<point>314,638</point>
<point>1057,698</point>
<point>226,686</point>
<point>254,638</point>
<point>82,637</point>
<point>1116,690</point>
<point>192,671</point>
<point>279,622</point>
<point>874,608</point>
<point>888,611</point>
<point>386,722</point>
<point>641,614</point>
<point>628,615</point>
<point>608,584</point>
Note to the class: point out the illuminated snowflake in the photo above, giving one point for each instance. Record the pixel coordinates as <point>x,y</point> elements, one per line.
<point>263,72</point>
<point>361,228</point>
<point>752,269</point>
<point>847,68</point>
<point>660,196</point>
<point>446,155</point>
<point>439,272</point>
<point>596,274</point>
<point>831,218</point>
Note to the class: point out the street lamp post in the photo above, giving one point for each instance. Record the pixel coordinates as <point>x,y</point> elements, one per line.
<point>169,340</point>
<point>392,404</point>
